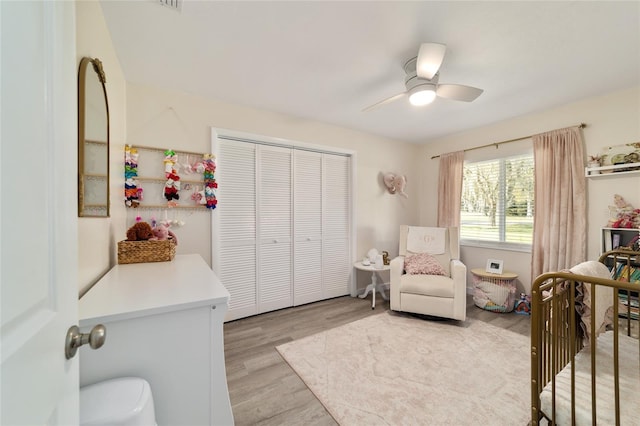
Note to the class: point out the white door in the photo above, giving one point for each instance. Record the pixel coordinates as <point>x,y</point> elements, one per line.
<point>307,222</point>
<point>336,229</point>
<point>274,228</point>
<point>234,258</point>
<point>38,233</point>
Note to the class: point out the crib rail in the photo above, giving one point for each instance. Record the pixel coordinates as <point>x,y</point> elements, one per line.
<point>556,337</point>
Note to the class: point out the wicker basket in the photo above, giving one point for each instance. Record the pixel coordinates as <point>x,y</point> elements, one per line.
<point>146,251</point>
<point>496,294</point>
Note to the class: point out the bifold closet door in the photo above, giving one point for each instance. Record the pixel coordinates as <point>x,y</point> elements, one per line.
<point>236,175</point>
<point>336,225</point>
<point>307,214</point>
<point>283,224</point>
<point>274,228</point>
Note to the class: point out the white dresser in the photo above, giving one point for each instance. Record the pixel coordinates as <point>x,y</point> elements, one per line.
<point>164,323</point>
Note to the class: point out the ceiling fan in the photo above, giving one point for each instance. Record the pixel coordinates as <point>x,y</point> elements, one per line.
<point>422,80</point>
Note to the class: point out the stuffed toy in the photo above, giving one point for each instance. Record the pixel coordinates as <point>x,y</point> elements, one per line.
<point>621,204</point>
<point>623,215</point>
<point>523,306</point>
<point>141,231</point>
<point>162,232</point>
<point>626,220</point>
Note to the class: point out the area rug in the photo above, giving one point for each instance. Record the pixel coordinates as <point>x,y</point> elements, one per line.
<point>391,369</point>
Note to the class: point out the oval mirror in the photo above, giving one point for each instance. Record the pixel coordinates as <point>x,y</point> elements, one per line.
<point>93,140</point>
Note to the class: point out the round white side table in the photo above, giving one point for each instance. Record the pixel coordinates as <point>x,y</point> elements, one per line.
<point>375,284</point>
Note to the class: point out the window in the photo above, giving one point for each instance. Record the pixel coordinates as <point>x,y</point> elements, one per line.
<point>497,202</point>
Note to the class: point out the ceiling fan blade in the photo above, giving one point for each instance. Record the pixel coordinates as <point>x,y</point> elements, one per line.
<point>384,101</point>
<point>429,60</point>
<point>458,92</point>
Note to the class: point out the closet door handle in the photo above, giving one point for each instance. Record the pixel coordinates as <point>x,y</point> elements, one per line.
<point>275,241</point>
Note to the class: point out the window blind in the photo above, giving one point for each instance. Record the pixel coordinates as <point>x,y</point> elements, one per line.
<point>497,200</point>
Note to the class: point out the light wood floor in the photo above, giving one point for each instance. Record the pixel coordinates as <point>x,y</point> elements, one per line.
<point>264,390</point>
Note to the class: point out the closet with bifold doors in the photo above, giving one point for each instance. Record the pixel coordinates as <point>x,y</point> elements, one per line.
<point>282,232</point>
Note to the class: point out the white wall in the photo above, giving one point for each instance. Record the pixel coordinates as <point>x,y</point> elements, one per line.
<point>611,119</point>
<point>97,237</point>
<point>181,121</point>
<point>149,116</point>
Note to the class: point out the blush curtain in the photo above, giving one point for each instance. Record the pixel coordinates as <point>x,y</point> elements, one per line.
<point>450,189</point>
<point>560,223</point>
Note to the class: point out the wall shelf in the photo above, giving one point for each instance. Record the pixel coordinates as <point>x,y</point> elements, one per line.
<point>162,150</point>
<point>615,170</point>
<point>152,182</point>
<point>624,237</point>
<point>168,207</point>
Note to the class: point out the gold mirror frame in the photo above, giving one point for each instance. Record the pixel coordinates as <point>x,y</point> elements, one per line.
<point>93,140</point>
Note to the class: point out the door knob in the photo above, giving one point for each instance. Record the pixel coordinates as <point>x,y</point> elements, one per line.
<point>95,338</point>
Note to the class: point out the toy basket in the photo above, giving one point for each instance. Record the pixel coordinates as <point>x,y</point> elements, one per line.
<point>493,293</point>
<point>146,251</point>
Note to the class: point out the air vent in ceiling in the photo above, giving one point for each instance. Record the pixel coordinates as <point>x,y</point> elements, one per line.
<point>172,4</point>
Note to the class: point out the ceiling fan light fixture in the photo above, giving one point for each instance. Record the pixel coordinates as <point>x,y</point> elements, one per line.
<point>422,95</point>
<point>422,80</point>
<point>429,59</point>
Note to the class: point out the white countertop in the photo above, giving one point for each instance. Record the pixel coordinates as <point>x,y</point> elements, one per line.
<point>141,289</point>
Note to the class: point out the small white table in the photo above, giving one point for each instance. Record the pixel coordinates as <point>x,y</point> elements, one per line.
<point>374,286</point>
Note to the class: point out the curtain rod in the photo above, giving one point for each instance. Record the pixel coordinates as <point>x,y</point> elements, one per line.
<point>497,144</point>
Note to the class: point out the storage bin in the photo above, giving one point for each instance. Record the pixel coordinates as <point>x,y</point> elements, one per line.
<point>146,251</point>
<point>494,292</point>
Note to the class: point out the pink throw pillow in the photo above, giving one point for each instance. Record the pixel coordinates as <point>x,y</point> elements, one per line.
<point>423,263</point>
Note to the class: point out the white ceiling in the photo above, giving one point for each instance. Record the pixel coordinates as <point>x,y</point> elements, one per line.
<point>326,61</point>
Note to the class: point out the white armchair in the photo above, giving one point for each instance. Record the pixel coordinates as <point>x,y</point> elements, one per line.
<point>437,295</point>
